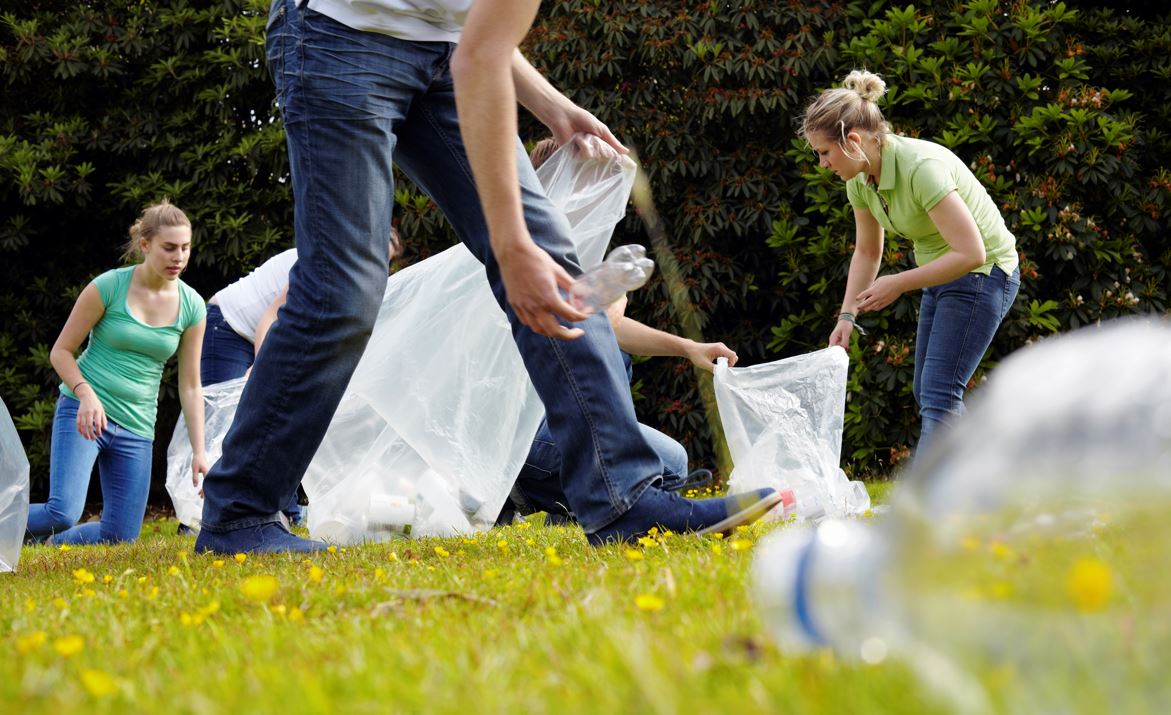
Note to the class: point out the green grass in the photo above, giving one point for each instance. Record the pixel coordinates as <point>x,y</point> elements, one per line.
<point>522,619</point>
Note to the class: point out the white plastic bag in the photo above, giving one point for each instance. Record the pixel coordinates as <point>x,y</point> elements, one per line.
<point>439,414</point>
<point>783,422</point>
<point>13,492</point>
<point>219,408</point>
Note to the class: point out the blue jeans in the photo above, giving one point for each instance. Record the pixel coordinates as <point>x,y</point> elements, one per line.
<point>124,463</point>
<point>957,322</point>
<point>538,486</point>
<point>353,101</point>
<point>226,356</point>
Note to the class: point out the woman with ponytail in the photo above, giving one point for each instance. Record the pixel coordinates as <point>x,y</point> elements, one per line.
<point>135,317</point>
<point>966,258</point>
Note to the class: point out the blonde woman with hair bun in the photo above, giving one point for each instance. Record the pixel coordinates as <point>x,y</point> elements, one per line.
<point>965,256</point>
<point>134,318</point>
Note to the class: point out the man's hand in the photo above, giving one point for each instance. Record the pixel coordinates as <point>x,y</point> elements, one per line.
<point>572,119</point>
<point>841,334</point>
<point>531,281</point>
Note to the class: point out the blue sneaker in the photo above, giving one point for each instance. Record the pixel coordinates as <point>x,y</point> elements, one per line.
<point>668,510</point>
<point>272,537</point>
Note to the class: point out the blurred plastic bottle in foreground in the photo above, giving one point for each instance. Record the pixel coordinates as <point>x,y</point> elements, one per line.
<point>1024,564</point>
<point>624,269</point>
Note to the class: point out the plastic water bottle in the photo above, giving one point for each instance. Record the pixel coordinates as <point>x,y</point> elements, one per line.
<point>625,269</point>
<point>1023,565</point>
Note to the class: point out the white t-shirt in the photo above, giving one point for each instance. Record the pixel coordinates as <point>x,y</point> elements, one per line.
<point>415,20</point>
<point>244,301</point>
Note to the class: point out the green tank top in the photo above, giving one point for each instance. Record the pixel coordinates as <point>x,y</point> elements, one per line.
<point>124,358</point>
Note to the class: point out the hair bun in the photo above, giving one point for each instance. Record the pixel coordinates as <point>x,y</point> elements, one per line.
<point>867,84</point>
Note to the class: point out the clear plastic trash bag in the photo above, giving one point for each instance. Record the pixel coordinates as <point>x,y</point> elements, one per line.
<point>13,492</point>
<point>219,408</point>
<point>440,413</point>
<point>783,422</point>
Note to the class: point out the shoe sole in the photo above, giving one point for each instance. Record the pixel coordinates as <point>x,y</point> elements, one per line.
<point>747,515</point>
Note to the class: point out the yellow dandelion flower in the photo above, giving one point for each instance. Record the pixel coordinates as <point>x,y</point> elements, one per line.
<point>107,578</point>
<point>296,616</point>
<point>60,603</point>
<point>531,542</point>
<point>241,558</point>
<point>210,608</point>
<point>393,556</point>
<point>174,571</point>
<point>441,552</point>
<point>717,549</point>
<point>489,574</point>
<point>551,554</point>
<point>65,547</point>
<point>83,576</point>
<point>32,641</point>
<point>259,588</point>
<point>88,593</point>
<point>1090,584</point>
<point>718,535</point>
<point>740,544</point>
<point>279,609</point>
<point>143,579</point>
<point>316,574</point>
<point>218,563</point>
<point>67,646</point>
<point>185,619</point>
<point>523,525</point>
<point>30,605</point>
<point>379,574</point>
<point>654,530</point>
<point>1000,550</point>
<point>741,529</point>
<point>332,549</point>
<point>154,593</point>
<point>646,542</point>
<point>649,602</point>
<point>634,554</point>
<point>123,593</point>
<point>182,555</point>
<point>98,683</point>
<point>340,590</point>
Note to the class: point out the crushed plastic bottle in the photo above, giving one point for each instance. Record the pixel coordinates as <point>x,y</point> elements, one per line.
<point>625,269</point>
<point>1023,564</point>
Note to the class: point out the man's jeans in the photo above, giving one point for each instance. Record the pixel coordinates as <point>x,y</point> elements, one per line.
<point>957,321</point>
<point>124,461</point>
<point>226,356</point>
<point>352,102</point>
<point>538,486</point>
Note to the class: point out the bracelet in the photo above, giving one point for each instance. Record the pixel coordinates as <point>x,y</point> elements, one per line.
<point>79,384</point>
<point>849,318</point>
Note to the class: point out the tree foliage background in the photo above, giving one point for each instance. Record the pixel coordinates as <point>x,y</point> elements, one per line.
<point>1061,109</point>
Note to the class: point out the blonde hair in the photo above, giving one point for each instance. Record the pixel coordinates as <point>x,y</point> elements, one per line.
<point>155,217</point>
<point>541,152</point>
<point>854,105</point>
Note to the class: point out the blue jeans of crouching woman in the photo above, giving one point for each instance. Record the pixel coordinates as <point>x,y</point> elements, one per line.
<point>351,101</point>
<point>957,322</point>
<point>124,462</point>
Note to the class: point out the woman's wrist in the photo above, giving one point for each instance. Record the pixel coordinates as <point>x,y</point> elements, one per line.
<point>852,320</point>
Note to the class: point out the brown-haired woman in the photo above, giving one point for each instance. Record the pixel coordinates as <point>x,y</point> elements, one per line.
<point>136,317</point>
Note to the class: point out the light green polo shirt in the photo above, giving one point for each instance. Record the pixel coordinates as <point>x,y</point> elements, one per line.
<point>917,175</point>
<point>124,359</point>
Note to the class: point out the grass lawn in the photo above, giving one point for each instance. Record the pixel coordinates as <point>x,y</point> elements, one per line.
<point>522,619</point>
